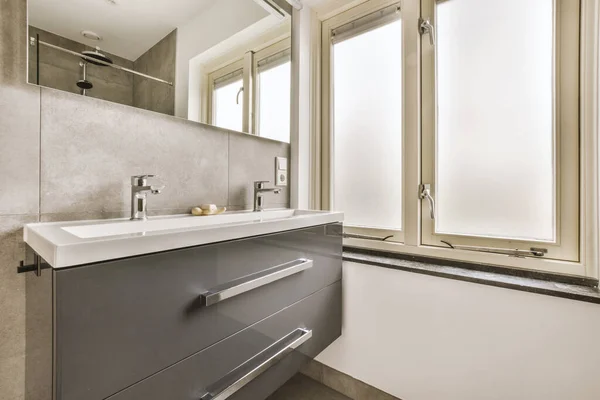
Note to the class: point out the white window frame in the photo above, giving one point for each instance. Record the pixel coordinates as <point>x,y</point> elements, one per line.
<point>344,18</point>
<point>588,211</point>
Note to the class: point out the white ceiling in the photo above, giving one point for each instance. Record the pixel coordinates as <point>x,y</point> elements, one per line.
<point>327,8</point>
<point>128,28</point>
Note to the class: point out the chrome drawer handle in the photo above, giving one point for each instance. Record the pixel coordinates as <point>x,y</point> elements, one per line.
<point>245,373</point>
<point>253,281</point>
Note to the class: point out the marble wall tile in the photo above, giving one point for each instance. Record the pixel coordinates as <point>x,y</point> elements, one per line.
<point>159,61</point>
<point>19,149</point>
<point>13,41</point>
<point>90,149</point>
<point>12,307</point>
<point>252,159</point>
<point>110,90</point>
<point>19,116</point>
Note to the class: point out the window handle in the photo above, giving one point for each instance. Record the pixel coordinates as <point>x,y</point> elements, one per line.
<point>425,27</point>
<point>532,252</point>
<point>237,97</point>
<point>425,193</point>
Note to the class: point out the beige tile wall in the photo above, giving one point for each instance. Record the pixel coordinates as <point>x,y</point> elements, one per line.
<point>62,71</point>
<point>159,61</point>
<point>65,157</point>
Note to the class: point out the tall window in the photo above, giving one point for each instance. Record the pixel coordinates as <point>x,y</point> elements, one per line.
<point>365,103</point>
<point>500,142</point>
<point>460,138</point>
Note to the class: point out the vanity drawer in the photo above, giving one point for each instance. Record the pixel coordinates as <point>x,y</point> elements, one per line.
<point>119,322</point>
<point>254,362</point>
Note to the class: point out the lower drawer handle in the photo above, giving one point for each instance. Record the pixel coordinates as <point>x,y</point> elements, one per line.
<point>246,372</point>
<point>253,281</point>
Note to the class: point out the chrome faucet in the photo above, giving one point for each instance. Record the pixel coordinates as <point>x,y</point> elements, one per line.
<point>139,191</point>
<point>259,191</point>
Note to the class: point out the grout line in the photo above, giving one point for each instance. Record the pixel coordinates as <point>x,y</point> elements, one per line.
<point>22,215</point>
<point>40,159</point>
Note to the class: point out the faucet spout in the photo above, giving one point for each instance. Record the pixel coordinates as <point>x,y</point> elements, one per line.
<point>259,191</point>
<point>139,192</point>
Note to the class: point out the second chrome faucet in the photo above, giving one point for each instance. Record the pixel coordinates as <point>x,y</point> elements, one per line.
<point>259,191</point>
<point>139,192</point>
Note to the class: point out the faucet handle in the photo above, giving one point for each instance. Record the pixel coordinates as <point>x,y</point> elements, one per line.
<point>259,184</point>
<point>140,180</point>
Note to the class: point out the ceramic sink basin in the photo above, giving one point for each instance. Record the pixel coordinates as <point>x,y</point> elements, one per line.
<point>65,244</point>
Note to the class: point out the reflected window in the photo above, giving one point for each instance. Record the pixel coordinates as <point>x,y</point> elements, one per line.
<point>228,99</point>
<point>273,96</point>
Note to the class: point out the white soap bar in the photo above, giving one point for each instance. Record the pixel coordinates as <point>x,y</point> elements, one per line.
<point>219,210</point>
<point>197,211</point>
<point>208,207</point>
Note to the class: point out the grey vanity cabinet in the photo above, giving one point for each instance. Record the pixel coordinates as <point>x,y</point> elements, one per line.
<point>199,311</point>
<point>209,373</point>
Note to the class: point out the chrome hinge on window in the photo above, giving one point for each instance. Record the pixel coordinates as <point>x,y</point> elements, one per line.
<point>532,252</point>
<point>425,193</point>
<point>425,27</point>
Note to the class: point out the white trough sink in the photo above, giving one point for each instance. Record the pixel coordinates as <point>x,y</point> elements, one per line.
<point>65,244</point>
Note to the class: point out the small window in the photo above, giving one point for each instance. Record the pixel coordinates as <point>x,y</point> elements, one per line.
<point>364,99</point>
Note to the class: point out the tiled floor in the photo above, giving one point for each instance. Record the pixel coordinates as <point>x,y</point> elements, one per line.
<point>301,387</point>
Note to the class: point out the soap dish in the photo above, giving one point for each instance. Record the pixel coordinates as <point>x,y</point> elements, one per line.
<point>197,211</point>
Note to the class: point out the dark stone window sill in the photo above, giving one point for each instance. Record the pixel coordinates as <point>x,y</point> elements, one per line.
<point>574,288</point>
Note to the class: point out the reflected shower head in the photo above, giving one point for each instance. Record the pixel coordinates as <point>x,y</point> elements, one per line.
<point>98,56</point>
<point>84,84</point>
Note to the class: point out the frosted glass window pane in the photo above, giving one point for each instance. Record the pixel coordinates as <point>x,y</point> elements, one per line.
<point>367,96</point>
<point>495,142</point>
<point>227,113</point>
<point>274,102</point>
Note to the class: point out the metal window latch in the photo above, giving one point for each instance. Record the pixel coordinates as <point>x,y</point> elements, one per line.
<point>532,252</point>
<point>425,27</point>
<point>366,237</point>
<point>237,97</point>
<point>425,193</point>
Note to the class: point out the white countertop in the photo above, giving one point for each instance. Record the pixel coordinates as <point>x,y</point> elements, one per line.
<point>66,244</point>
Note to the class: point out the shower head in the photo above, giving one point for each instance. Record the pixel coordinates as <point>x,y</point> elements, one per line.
<point>84,84</point>
<point>95,54</point>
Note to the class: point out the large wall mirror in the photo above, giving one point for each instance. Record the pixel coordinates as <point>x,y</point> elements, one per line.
<point>221,62</point>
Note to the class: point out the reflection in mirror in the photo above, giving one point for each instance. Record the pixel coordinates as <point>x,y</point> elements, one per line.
<point>220,62</point>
